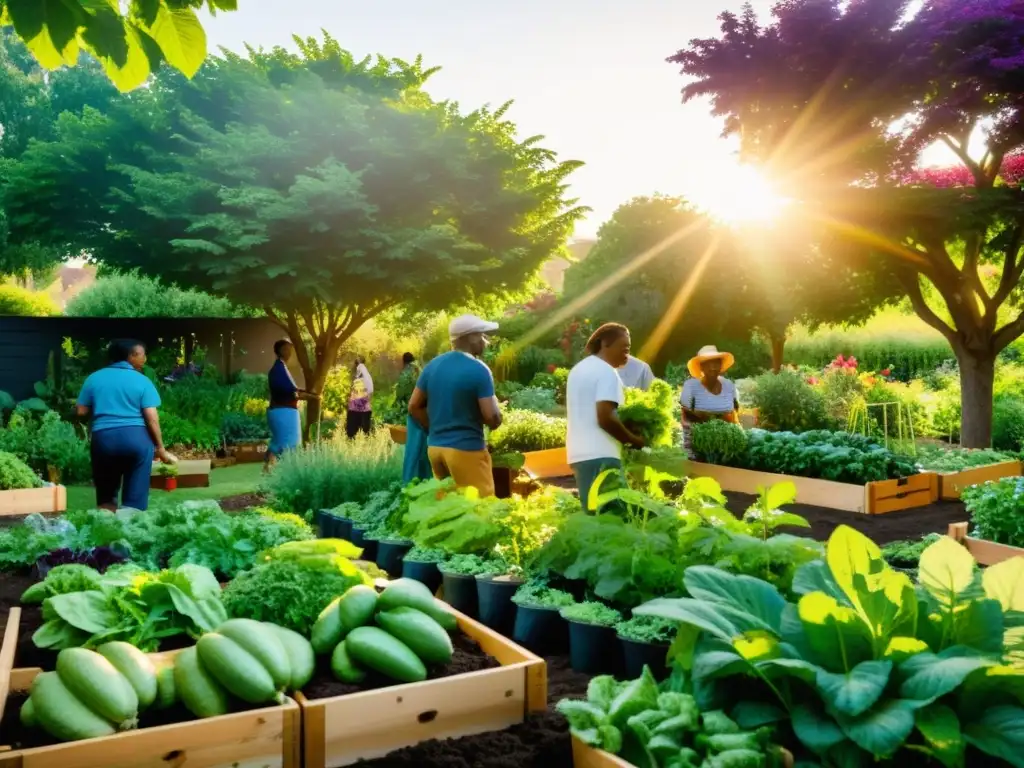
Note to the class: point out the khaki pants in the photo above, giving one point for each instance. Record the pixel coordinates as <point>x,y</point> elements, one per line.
<point>469,469</point>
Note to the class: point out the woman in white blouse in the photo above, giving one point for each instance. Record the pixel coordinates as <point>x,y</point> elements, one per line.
<point>707,395</point>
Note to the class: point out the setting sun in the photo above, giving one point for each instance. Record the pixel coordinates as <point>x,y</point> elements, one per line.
<point>739,195</point>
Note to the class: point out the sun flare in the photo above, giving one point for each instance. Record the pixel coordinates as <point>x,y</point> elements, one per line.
<point>740,195</point>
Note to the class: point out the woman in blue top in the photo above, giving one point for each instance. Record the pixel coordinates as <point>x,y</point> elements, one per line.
<point>121,404</point>
<point>283,413</point>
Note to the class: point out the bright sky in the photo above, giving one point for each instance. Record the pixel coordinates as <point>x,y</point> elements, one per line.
<point>590,75</point>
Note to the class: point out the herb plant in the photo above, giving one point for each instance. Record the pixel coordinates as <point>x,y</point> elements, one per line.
<point>425,555</point>
<point>906,554</point>
<point>526,431</point>
<point>718,442</point>
<point>537,594</point>
<point>647,629</point>
<point>997,510</point>
<point>590,612</point>
<point>534,399</point>
<point>651,414</point>
<point>15,474</point>
<point>473,565</point>
<point>236,428</point>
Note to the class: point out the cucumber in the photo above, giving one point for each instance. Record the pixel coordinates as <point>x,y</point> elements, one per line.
<point>356,607</point>
<point>422,634</point>
<point>166,692</point>
<point>263,643</point>
<point>98,685</point>
<point>374,648</point>
<point>136,668</point>
<point>344,668</point>
<point>62,715</point>
<point>201,694</point>
<point>28,714</point>
<point>328,630</point>
<point>301,659</point>
<point>410,593</point>
<point>236,669</point>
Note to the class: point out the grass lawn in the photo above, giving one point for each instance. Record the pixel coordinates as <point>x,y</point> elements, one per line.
<point>229,481</point>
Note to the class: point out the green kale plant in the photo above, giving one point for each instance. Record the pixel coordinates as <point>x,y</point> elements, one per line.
<point>473,565</point>
<point>537,594</point>
<point>591,612</point>
<point>997,510</point>
<point>718,442</point>
<point>647,629</point>
<point>958,459</point>
<point>15,474</point>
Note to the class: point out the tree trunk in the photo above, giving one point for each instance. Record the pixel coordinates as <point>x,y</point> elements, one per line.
<point>977,376</point>
<point>315,378</point>
<point>778,342</point>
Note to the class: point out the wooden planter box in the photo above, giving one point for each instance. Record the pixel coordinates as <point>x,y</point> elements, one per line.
<point>345,729</point>
<point>952,484</point>
<point>984,552</point>
<point>192,473</point>
<point>541,465</point>
<point>399,434</point>
<point>26,501</point>
<point>585,756</point>
<point>260,738</point>
<point>249,453</point>
<point>876,498</point>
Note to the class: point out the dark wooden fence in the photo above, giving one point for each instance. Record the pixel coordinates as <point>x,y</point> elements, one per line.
<point>27,343</point>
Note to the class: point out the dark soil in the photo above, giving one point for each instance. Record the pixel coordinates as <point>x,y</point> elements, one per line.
<point>245,501</point>
<point>468,658</point>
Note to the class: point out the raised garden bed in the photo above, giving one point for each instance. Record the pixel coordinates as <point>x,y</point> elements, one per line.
<point>540,465</point>
<point>952,484</point>
<point>585,756</point>
<point>249,453</point>
<point>192,473</point>
<point>26,501</point>
<point>984,552</point>
<point>362,724</point>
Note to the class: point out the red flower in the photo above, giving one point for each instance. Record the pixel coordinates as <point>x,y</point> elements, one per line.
<point>887,372</point>
<point>552,368</point>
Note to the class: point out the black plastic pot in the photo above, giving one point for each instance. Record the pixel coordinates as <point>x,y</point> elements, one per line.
<point>426,573</point>
<point>636,654</point>
<point>323,522</point>
<point>494,595</point>
<point>503,477</point>
<point>593,649</point>
<point>460,592</point>
<point>390,553</point>
<point>369,546</point>
<point>342,528</point>
<point>541,630</point>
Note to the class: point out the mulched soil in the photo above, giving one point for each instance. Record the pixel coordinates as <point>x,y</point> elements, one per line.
<point>242,502</point>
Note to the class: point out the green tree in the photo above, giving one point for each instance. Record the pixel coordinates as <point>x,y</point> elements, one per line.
<point>138,296</point>
<point>130,40</point>
<point>322,189</point>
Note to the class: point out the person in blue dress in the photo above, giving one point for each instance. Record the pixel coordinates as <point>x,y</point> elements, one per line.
<point>283,413</point>
<point>121,404</point>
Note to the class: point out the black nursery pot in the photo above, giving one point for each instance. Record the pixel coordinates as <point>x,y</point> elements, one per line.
<point>390,553</point>
<point>636,654</point>
<point>323,523</point>
<point>541,630</point>
<point>503,477</point>
<point>342,528</point>
<point>369,546</point>
<point>494,595</point>
<point>593,649</point>
<point>425,573</point>
<point>460,592</point>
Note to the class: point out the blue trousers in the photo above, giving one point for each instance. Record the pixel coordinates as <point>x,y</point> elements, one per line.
<point>416,463</point>
<point>122,460</point>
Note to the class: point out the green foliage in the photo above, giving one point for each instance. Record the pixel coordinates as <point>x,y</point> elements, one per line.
<point>537,594</point>
<point>134,295</point>
<point>238,428</point>
<point>651,414</point>
<point>787,403</point>
<point>425,555</point>
<point>533,399</point>
<point>996,510</point>
<point>16,474</point>
<point>870,651</point>
<point>523,364</point>
<point>286,593</point>
<point>457,521</point>
<point>938,459</point>
<point>473,565</point>
<point>330,473</point>
<point>44,441</point>
<point>906,554</point>
<point>15,300</point>
<point>647,629</point>
<point>336,390</point>
<point>718,442</point>
<point>590,612</point>
<point>525,431</point>
<point>199,436</point>
<point>1008,424</point>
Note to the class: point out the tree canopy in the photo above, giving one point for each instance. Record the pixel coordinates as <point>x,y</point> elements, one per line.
<point>837,100</point>
<point>323,189</point>
<point>131,40</point>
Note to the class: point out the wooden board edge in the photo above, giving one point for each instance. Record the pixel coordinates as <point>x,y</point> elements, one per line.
<point>51,499</point>
<point>983,552</point>
<point>493,643</point>
<point>842,496</point>
<point>952,484</point>
<point>7,651</point>
<point>585,756</point>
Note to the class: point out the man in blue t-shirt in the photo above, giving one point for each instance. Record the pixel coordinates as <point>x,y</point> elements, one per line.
<point>454,400</point>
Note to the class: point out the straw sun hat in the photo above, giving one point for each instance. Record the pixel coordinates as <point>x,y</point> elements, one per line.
<point>709,352</point>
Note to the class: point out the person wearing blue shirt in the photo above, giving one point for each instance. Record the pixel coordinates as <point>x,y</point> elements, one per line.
<point>120,403</point>
<point>283,414</point>
<point>454,400</point>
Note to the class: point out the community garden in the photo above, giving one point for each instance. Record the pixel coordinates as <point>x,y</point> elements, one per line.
<point>836,580</point>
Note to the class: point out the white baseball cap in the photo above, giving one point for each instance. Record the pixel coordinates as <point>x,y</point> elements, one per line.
<point>467,324</point>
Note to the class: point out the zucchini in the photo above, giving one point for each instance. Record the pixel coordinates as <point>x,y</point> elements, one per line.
<point>136,668</point>
<point>236,669</point>
<point>201,694</point>
<point>410,593</point>
<point>28,714</point>
<point>62,715</point>
<point>98,685</point>
<point>356,607</point>
<point>422,634</point>
<point>301,659</point>
<point>328,630</point>
<point>344,668</point>
<point>166,692</point>
<point>374,648</point>
<point>262,643</point>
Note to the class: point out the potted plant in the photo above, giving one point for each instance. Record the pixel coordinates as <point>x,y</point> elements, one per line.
<point>645,641</point>
<point>539,625</point>
<point>458,578</point>
<point>337,523</point>
<point>165,477</point>
<point>391,550</point>
<point>420,563</point>
<point>505,467</point>
<point>592,646</point>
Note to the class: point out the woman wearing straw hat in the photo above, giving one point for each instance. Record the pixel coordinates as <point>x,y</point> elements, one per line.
<point>707,395</point>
